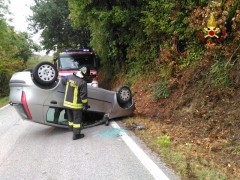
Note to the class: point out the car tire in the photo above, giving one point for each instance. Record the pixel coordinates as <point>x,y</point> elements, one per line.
<point>124,95</point>
<point>45,73</point>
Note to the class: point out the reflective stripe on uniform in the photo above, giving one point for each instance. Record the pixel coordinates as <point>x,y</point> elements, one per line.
<point>75,95</point>
<point>84,101</point>
<point>76,125</point>
<point>72,83</point>
<point>75,92</point>
<point>72,105</point>
<point>65,95</point>
<point>70,123</point>
<point>73,100</point>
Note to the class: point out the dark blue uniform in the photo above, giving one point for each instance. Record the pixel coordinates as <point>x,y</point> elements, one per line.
<point>74,100</point>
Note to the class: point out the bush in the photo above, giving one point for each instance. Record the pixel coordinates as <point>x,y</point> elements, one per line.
<point>6,70</point>
<point>160,90</point>
<point>219,74</point>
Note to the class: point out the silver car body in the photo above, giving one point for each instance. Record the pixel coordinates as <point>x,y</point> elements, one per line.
<point>39,104</point>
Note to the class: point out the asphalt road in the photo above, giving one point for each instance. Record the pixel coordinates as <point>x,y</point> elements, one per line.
<point>34,151</point>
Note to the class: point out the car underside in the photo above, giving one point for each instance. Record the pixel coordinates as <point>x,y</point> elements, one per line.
<point>38,94</point>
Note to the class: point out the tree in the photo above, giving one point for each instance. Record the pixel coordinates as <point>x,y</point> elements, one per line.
<point>110,23</point>
<point>3,8</point>
<point>51,18</point>
<point>15,50</point>
<point>155,34</point>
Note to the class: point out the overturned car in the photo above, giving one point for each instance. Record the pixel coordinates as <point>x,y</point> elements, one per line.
<point>38,94</point>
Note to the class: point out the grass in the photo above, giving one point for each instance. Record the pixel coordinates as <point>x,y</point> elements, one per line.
<point>183,158</point>
<point>4,101</point>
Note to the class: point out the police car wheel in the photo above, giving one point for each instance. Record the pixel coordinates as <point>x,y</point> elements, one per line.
<point>124,95</point>
<point>45,73</point>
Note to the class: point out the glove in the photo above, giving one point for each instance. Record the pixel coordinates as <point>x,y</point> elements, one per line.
<point>85,107</point>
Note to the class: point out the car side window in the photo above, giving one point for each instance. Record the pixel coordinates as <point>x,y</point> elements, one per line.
<point>57,116</point>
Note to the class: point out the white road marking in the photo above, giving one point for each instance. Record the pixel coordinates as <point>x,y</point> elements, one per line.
<point>4,107</point>
<point>156,172</point>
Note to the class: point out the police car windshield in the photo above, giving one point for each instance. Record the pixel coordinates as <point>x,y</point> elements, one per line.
<point>74,62</point>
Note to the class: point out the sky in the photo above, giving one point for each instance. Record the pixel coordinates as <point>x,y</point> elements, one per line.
<point>20,10</point>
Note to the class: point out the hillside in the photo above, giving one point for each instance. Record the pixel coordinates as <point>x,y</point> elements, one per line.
<point>196,129</point>
<point>181,60</point>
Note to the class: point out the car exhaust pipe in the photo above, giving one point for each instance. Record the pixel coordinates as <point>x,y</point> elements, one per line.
<point>10,103</point>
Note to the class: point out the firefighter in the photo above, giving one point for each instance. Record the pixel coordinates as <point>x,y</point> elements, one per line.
<point>75,100</point>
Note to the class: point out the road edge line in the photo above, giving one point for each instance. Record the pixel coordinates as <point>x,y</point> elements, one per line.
<point>4,107</point>
<point>156,172</point>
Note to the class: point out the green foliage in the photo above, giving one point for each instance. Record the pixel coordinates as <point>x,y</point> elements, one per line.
<point>160,90</point>
<point>128,83</point>
<point>219,74</point>
<point>163,141</point>
<point>7,68</point>
<point>15,50</point>
<point>100,32</point>
<point>165,71</point>
<point>4,101</point>
<point>195,55</point>
<point>136,69</point>
<point>132,36</point>
<point>3,8</point>
<point>51,17</point>
<point>170,21</point>
<point>109,23</point>
<point>35,59</point>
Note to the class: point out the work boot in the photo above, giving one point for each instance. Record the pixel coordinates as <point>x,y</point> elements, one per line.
<point>77,136</point>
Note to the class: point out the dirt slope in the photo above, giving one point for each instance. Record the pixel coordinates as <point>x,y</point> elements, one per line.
<point>208,120</point>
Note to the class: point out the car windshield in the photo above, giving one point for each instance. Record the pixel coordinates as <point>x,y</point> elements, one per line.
<point>73,62</point>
